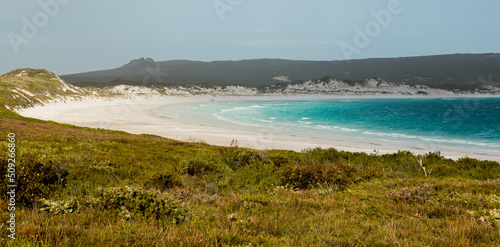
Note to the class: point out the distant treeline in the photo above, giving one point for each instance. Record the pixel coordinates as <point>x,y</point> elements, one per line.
<point>444,71</point>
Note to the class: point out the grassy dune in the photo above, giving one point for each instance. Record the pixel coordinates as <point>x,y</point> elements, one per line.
<point>27,87</point>
<point>92,187</point>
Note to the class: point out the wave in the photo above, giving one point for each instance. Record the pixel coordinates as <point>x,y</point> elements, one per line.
<point>263,120</point>
<point>258,106</point>
<point>325,127</point>
<point>304,122</point>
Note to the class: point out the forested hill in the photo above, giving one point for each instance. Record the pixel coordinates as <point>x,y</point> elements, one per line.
<point>457,69</point>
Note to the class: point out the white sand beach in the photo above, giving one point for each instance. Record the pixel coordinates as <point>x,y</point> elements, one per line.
<point>140,116</point>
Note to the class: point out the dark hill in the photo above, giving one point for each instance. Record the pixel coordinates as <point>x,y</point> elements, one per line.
<point>457,69</point>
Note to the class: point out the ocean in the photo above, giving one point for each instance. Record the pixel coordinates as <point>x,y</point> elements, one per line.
<point>465,123</point>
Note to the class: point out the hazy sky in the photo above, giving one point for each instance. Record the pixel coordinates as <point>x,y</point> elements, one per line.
<point>70,36</point>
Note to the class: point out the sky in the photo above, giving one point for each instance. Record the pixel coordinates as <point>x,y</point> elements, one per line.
<point>72,36</point>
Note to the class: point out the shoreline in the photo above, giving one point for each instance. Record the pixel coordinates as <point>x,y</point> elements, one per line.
<point>141,116</point>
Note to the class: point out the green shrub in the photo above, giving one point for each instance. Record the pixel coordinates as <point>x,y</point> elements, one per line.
<point>198,166</point>
<point>301,176</point>
<point>340,175</point>
<point>283,157</point>
<point>476,169</point>
<point>163,180</point>
<point>306,176</point>
<point>464,167</point>
<point>238,158</point>
<point>246,157</point>
<point>254,175</point>
<point>403,161</point>
<point>34,179</point>
<point>442,170</point>
<point>367,173</point>
<point>135,202</point>
<point>228,156</point>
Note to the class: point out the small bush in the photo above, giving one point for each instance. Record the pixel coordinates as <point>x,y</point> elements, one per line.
<point>198,166</point>
<point>301,176</point>
<point>402,161</point>
<point>238,158</point>
<point>228,156</point>
<point>417,194</point>
<point>306,176</point>
<point>322,156</point>
<point>442,170</point>
<point>477,169</point>
<point>340,175</point>
<point>254,175</point>
<point>139,203</point>
<point>248,156</point>
<point>163,180</point>
<point>283,157</point>
<point>56,207</point>
<point>464,167</point>
<point>34,179</point>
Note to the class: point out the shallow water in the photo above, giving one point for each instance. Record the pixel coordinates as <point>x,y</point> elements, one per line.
<point>472,123</point>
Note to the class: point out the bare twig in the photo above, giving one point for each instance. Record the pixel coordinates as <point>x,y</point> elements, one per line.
<point>423,167</point>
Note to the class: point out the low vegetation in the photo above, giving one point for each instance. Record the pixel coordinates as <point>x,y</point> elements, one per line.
<point>92,187</point>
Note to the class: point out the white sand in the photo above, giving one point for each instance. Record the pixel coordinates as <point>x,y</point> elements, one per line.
<point>142,117</point>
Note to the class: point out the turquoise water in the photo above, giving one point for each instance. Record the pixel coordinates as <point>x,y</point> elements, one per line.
<point>465,122</point>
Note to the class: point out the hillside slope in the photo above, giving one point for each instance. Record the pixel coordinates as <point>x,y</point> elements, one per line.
<point>458,69</point>
<point>27,87</point>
